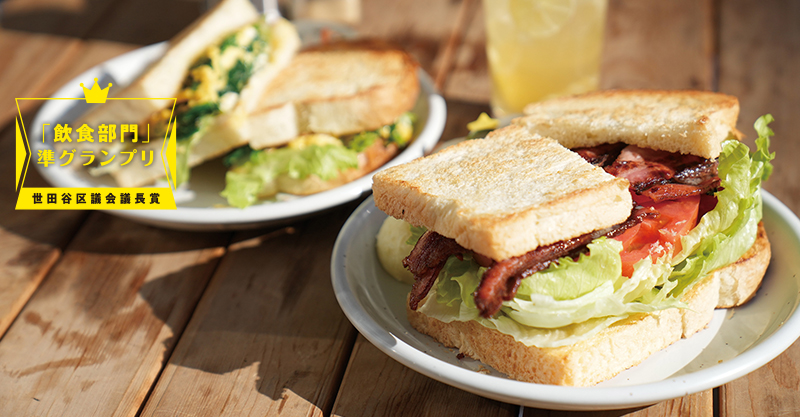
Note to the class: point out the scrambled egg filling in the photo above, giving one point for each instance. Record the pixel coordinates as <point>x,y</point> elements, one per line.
<point>212,86</point>
<point>215,80</point>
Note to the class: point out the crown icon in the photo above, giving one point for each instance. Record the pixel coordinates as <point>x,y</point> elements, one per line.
<point>96,94</point>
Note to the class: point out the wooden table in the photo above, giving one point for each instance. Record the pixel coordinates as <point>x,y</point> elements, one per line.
<point>100,316</point>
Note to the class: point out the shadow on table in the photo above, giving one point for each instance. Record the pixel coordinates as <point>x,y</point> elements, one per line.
<point>41,230</point>
<point>132,21</point>
<point>268,321</point>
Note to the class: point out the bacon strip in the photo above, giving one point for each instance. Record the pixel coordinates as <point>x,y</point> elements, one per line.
<point>663,175</point>
<point>601,155</point>
<point>501,281</point>
<point>426,261</point>
<point>699,174</point>
<point>671,191</point>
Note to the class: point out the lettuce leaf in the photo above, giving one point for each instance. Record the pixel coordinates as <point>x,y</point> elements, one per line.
<point>548,313</point>
<point>256,178</point>
<point>725,233</point>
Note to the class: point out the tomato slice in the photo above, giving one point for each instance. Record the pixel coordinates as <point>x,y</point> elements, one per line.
<point>656,236</point>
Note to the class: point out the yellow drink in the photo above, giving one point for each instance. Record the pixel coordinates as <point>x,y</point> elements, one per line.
<point>539,49</point>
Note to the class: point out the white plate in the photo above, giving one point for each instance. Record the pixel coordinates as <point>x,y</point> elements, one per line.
<point>737,342</point>
<point>200,206</point>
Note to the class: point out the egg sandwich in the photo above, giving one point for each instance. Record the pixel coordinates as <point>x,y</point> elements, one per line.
<point>216,68</point>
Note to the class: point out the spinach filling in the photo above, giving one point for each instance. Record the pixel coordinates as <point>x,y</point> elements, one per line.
<point>212,86</point>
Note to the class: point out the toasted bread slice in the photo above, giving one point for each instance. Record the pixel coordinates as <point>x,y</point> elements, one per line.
<point>483,192</point>
<point>620,346</point>
<point>689,122</point>
<point>338,89</point>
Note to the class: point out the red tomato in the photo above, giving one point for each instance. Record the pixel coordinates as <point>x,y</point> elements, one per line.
<point>656,236</point>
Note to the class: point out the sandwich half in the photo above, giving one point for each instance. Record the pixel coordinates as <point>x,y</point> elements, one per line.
<point>217,68</point>
<point>337,112</point>
<point>567,259</point>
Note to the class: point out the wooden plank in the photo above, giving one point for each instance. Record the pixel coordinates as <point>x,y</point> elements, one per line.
<point>83,56</point>
<point>29,60</point>
<point>647,45</point>
<point>469,80</point>
<point>377,385</point>
<point>38,39</point>
<point>772,390</point>
<point>420,26</point>
<point>461,26</point>
<point>268,337</point>
<point>659,45</point>
<point>30,241</point>
<point>145,22</point>
<point>93,338</point>
<point>70,18</point>
<point>700,404</point>
<point>759,63</point>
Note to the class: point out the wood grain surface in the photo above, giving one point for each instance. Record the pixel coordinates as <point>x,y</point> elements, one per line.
<point>759,50</point>
<point>268,337</point>
<point>376,385</point>
<point>100,328</point>
<point>104,317</point>
<point>30,241</point>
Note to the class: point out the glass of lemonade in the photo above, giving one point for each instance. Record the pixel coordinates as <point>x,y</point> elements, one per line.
<point>539,49</point>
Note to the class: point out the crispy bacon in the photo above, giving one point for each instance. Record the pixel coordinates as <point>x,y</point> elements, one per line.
<point>699,174</point>
<point>642,172</point>
<point>664,175</point>
<point>672,191</point>
<point>601,155</point>
<point>426,260</point>
<point>500,282</point>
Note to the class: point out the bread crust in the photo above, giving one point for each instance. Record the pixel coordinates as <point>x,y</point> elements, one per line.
<point>689,122</point>
<point>339,89</point>
<point>620,346</point>
<point>482,193</point>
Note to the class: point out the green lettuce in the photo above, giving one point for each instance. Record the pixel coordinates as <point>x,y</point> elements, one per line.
<point>399,133</point>
<point>725,233</point>
<point>574,299</point>
<point>568,300</point>
<point>257,177</point>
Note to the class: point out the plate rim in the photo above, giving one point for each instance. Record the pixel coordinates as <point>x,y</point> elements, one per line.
<point>231,217</point>
<point>552,396</point>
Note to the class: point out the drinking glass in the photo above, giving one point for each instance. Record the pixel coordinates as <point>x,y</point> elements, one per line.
<point>539,49</point>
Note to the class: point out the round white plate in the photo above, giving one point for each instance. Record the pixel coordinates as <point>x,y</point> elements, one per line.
<point>200,207</point>
<point>737,342</point>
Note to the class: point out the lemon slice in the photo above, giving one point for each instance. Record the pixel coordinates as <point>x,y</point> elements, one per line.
<point>541,18</point>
